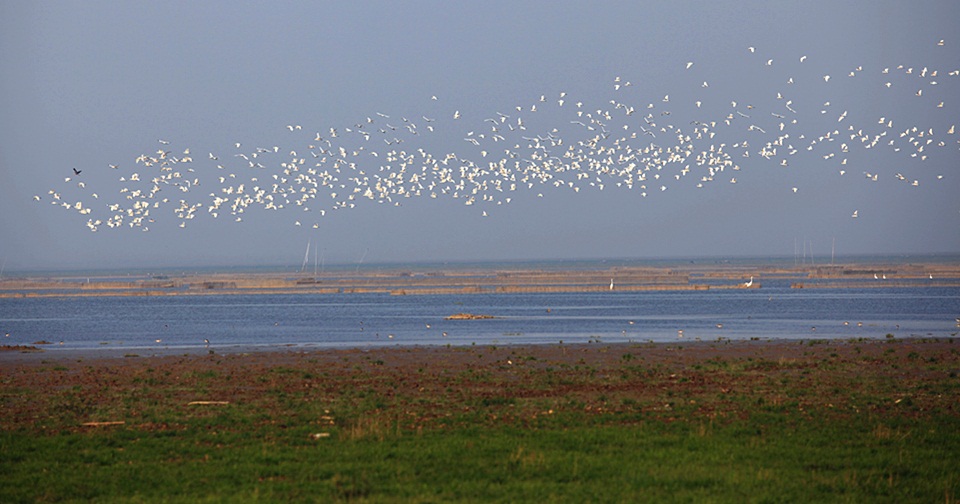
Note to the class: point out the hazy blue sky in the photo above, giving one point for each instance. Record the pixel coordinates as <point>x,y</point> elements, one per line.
<point>88,84</point>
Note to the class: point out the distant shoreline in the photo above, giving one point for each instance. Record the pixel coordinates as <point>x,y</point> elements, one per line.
<point>583,264</point>
<point>795,346</point>
<point>509,278</point>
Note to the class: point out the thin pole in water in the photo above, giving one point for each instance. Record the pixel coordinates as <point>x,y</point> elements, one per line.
<point>306,257</point>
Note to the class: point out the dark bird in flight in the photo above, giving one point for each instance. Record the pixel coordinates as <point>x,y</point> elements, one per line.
<point>76,171</point>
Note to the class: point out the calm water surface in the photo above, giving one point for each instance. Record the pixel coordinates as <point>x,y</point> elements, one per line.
<point>356,320</point>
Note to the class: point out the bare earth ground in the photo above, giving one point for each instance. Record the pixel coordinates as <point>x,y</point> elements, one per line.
<point>428,387</point>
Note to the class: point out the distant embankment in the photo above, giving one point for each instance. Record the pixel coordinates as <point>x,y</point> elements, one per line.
<point>524,289</point>
<point>877,276</point>
<point>399,282</point>
<point>493,281</point>
<point>870,284</point>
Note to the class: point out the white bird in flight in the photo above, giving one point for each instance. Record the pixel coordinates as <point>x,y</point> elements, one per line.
<point>600,148</point>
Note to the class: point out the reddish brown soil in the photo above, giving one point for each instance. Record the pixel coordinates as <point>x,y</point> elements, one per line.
<point>429,386</point>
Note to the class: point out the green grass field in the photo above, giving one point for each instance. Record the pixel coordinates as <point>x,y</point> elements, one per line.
<point>750,462</point>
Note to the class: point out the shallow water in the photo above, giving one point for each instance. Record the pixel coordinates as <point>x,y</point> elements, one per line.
<point>355,320</point>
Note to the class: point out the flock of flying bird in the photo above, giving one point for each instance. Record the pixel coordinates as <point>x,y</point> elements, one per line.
<point>626,143</point>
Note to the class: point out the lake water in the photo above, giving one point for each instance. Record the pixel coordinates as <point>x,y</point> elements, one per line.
<point>774,311</point>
